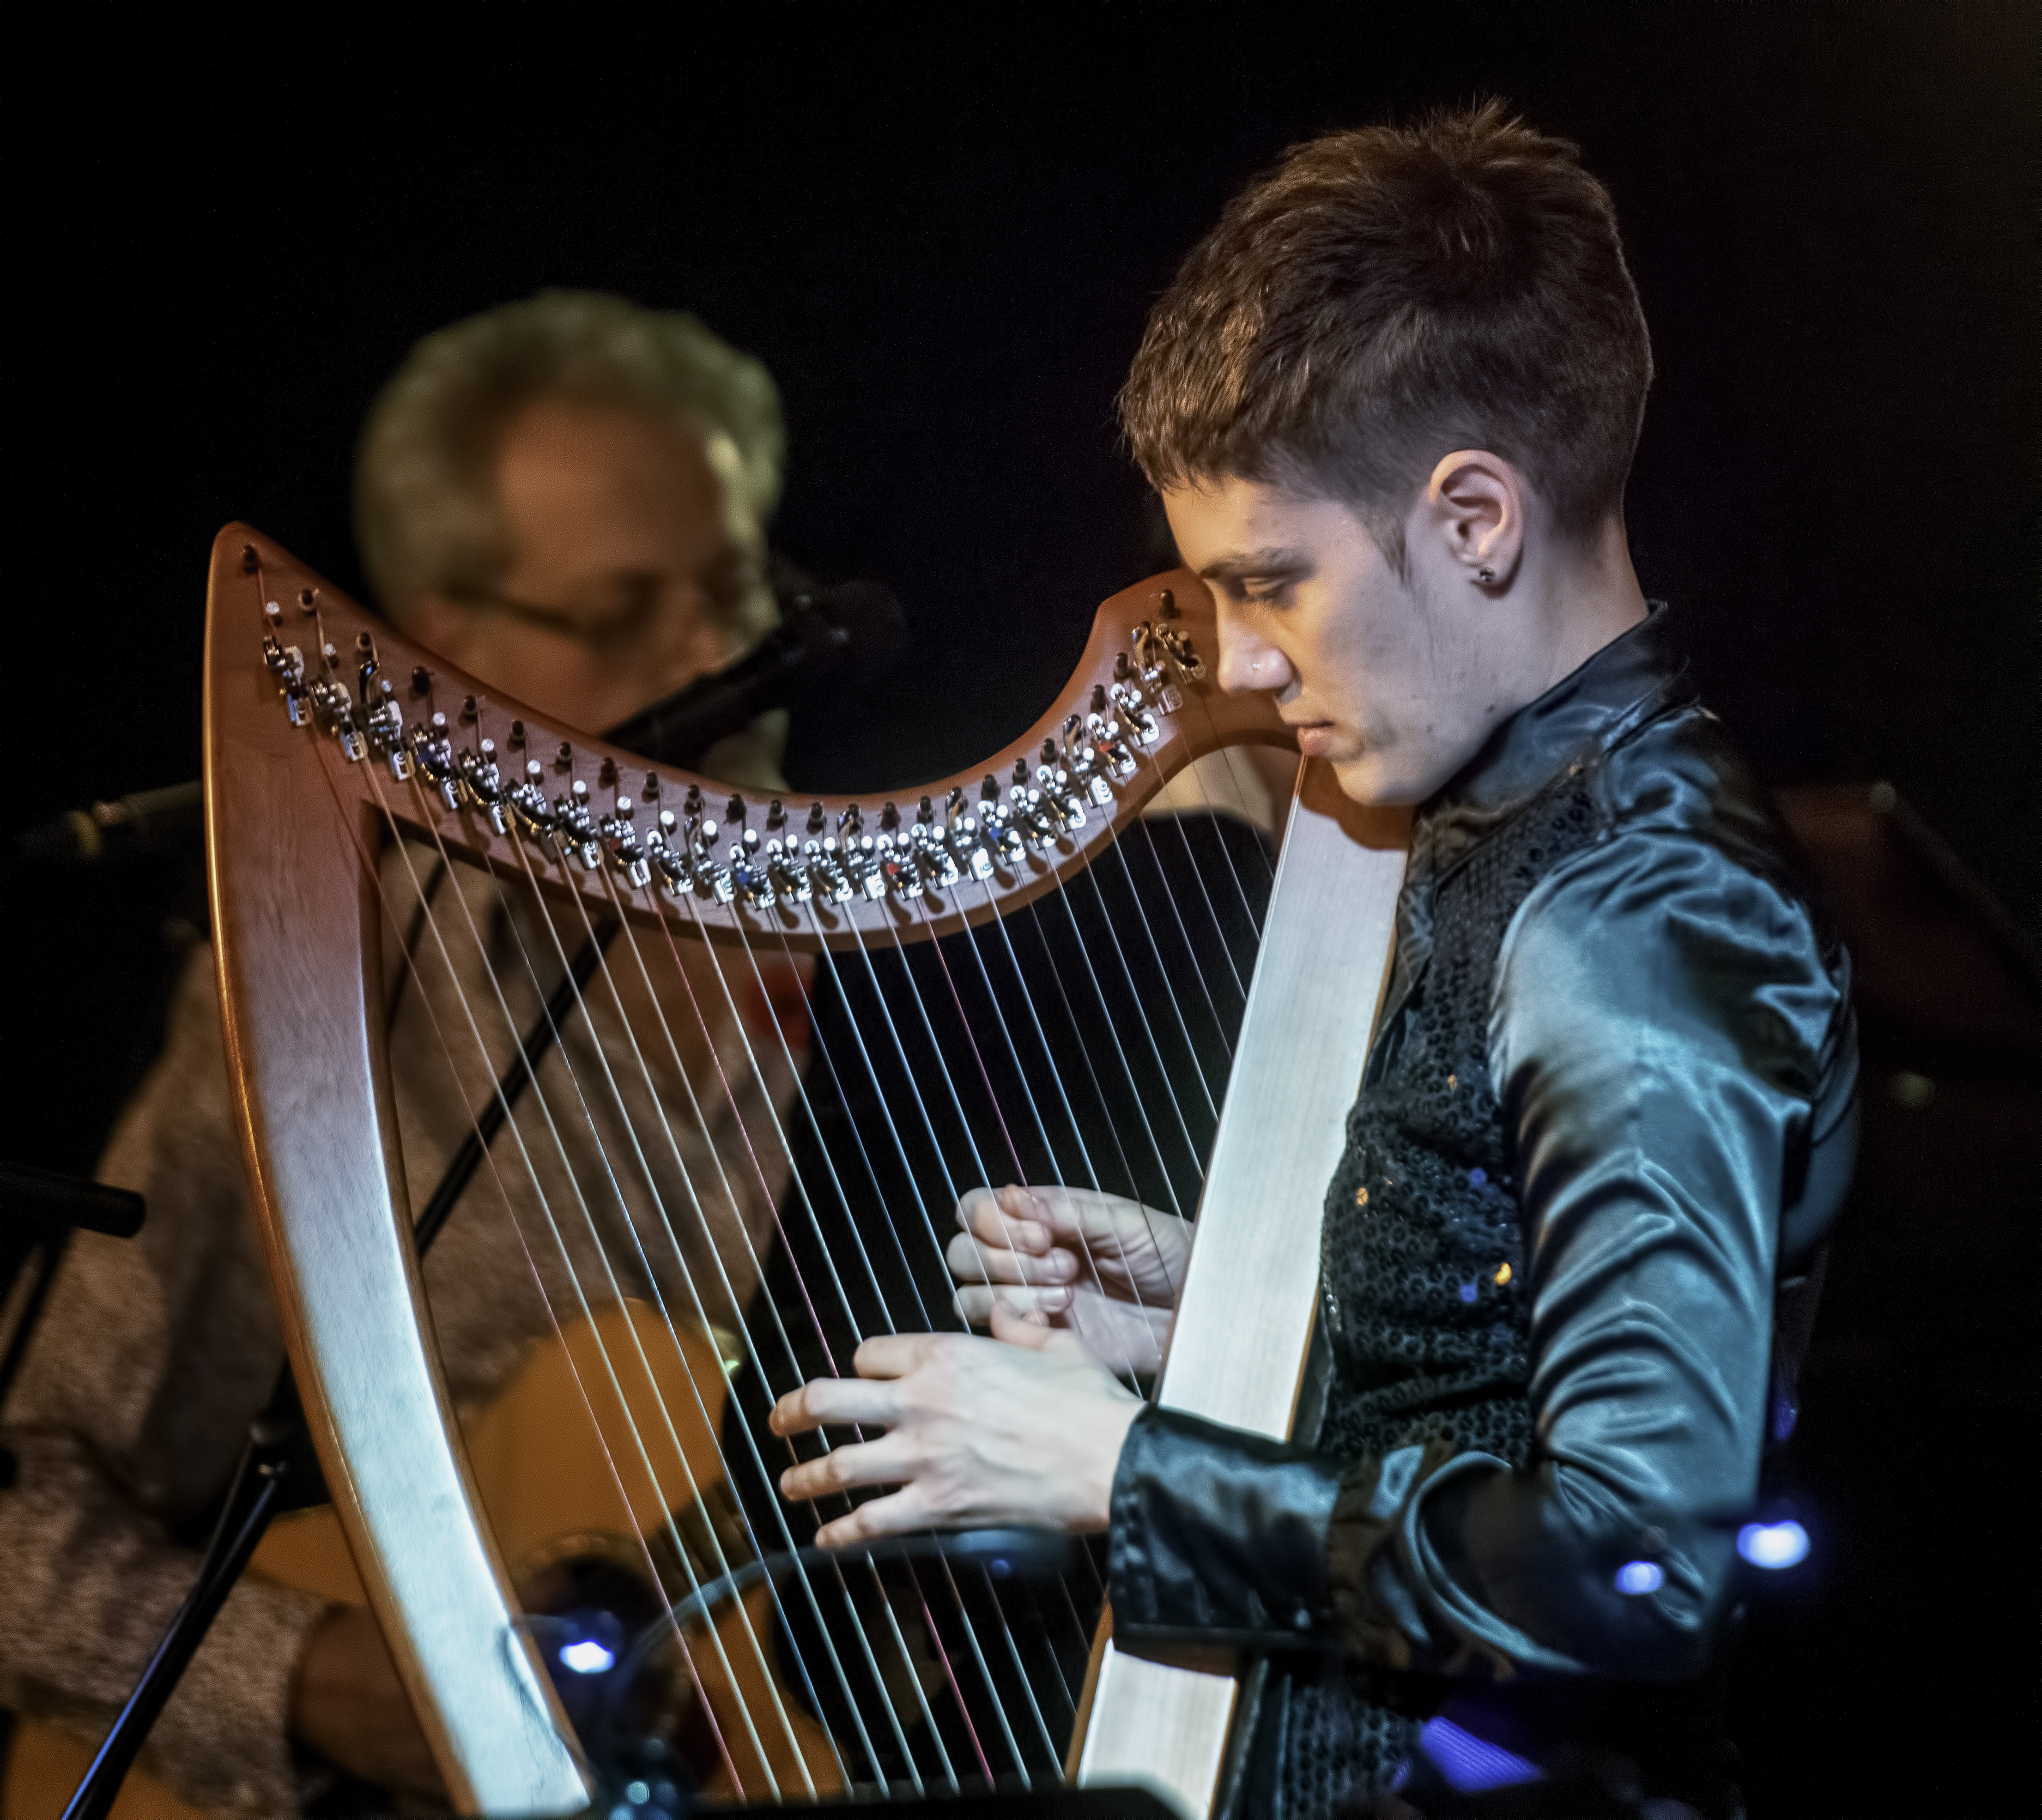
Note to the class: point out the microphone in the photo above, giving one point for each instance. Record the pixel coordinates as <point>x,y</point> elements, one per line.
<point>849,634</point>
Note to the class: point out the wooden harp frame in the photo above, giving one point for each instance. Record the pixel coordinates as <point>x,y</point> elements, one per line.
<point>316,742</point>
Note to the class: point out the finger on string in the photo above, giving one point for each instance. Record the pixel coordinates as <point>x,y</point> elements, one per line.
<point>977,1305</point>
<point>1016,1327</point>
<point>982,1262</point>
<point>840,1402</point>
<point>899,1513</point>
<point>893,1460</point>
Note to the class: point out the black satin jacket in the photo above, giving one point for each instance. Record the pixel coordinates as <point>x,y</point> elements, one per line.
<point>1673,1059</point>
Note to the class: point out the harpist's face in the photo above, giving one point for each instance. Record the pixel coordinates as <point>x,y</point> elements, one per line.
<point>1395,679</point>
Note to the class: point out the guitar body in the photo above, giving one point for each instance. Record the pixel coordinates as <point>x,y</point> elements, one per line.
<point>542,1454</point>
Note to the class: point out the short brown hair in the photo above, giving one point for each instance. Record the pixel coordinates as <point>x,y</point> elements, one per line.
<point>1384,296</point>
<point>425,497</point>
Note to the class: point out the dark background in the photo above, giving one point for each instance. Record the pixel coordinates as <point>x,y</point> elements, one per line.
<point>941,229</point>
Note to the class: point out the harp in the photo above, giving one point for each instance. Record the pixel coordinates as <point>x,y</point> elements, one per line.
<point>329,740</point>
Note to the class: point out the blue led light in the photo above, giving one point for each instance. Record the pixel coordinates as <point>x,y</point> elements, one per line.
<point>1637,1578</point>
<point>1471,1764</point>
<point>1468,1292</point>
<point>587,1657</point>
<point>1773,1545</point>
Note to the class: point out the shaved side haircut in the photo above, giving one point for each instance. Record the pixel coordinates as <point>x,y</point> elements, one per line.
<point>1386,296</point>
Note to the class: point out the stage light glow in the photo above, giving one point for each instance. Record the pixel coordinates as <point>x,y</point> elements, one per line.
<point>587,1657</point>
<point>1634,1578</point>
<point>1773,1545</point>
<point>1472,1764</point>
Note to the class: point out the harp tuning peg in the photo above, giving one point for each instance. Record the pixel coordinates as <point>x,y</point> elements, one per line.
<point>734,811</point>
<point>890,816</point>
<point>250,561</point>
<point>1021,771</point>
<point>364,644</point>
<point>816,819</point>
<point>1166,604</point>
<point>308,599</point>
<point>1049,753</point>
<point>517,735</point>
<point>564,757</point>
<point>1121,669</point>
<point>421,680</point>
<point>694,804</point>
<point>989,791</point>
<point>468,711</point>
<point>776,813</point>
<point>605,773</point>
<point>927,812</point>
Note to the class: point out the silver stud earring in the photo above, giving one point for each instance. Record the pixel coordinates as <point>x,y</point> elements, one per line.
<point>1486,576</point>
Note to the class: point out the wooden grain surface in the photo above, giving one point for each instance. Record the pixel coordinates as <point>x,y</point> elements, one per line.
<point>1244,1318</point>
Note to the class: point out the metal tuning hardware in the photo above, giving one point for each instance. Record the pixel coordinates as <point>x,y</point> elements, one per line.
<point>574,831</point>
<point>1060,793</point>
<point>751,872</point>
<point>669,856</point>
<point>826,871</point>
<point>787,870</point>
<point>433,750</point>
<point>533,813</point>
<point>1131,715</point>
<point>286,665</point>
<point>482,784</point>
<point>620,838</point>
<point>966,841</point>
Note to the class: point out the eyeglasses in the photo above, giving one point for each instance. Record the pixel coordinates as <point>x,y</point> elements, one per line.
<point>653,601</point>
<point>613,634</point>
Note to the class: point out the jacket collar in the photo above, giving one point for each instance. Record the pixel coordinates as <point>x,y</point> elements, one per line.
<point>1632,679</point>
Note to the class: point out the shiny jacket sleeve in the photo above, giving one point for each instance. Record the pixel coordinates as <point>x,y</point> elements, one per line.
<point>1664,1034</point>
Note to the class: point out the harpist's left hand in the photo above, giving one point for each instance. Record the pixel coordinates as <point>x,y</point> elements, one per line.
<point>1024,1427</point>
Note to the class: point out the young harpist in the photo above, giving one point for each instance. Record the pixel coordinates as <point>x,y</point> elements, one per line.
<point>1390,403</point>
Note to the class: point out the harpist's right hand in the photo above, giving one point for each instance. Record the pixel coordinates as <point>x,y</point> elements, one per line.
<point>1107,1268</point>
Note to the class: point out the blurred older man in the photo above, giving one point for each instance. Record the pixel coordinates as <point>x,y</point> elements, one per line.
<point>566,498</point>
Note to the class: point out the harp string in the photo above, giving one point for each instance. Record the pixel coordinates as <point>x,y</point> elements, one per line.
<point>993,1095</point>
<point>1113,1031</point>
<point>737,1023</point>
<point>1128,1370</point>
<point>636,1345</point>
<point>373,872</point>
<point>942,1164</point>
<point>843,1679</point>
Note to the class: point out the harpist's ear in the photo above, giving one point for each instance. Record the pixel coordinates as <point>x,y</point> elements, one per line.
<point>1470,520</point>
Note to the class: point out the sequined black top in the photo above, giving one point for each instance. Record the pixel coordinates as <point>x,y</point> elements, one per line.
<point>1608,1109</point>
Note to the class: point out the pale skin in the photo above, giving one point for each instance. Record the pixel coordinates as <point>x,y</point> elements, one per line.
<point>1395,678</point>
<point>631,536</point>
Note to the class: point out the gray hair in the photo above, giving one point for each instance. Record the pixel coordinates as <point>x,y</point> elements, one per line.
<point>426,510</point>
